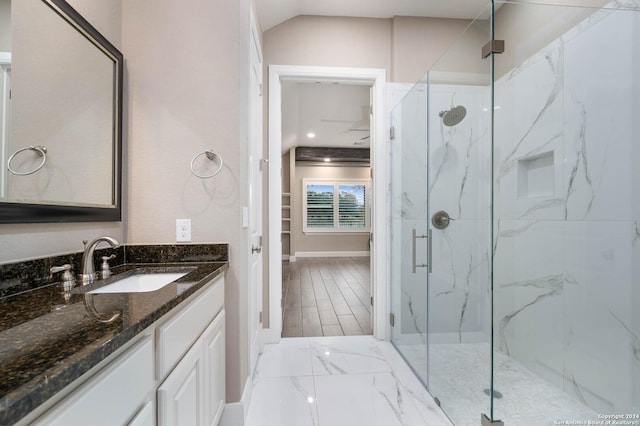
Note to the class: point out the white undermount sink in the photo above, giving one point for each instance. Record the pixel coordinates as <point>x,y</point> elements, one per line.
<point>140,283</point>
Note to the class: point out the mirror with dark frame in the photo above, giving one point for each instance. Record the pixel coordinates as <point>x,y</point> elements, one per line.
<point>60,116</point>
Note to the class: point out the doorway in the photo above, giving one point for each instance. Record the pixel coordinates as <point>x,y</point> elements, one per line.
<point>374,78</point>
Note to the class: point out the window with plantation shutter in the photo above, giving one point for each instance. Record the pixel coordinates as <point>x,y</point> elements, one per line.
<point>335,206</point>
<point>319,206</point>
<point>352,207</point>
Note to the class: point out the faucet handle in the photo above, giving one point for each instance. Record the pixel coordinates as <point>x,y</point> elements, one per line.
<point>105,271</point>
<point>67,277</point>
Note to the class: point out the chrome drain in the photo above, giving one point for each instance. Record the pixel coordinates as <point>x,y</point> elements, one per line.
<point>496,394</point>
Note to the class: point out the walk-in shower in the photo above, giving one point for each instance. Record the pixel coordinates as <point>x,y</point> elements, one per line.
<point>525,308</point>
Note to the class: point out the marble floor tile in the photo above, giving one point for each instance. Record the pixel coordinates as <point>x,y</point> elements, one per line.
<point>346,355</point>
<point>283,401</point>
<point>344,380</point>
<point>290,357</point>
<point>365,399</point>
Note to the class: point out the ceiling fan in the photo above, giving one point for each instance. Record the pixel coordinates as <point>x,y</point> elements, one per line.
<point>361,125</point>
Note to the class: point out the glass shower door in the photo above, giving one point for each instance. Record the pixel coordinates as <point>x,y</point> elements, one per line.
<point>459,291</point>
<point>409,227</point>
<point>441,155</point>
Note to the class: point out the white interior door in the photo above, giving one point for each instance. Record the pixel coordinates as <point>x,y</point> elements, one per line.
<point>255,198</point>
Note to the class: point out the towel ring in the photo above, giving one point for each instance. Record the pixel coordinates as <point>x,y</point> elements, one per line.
<point>39,149</point>
<point>211,156</point>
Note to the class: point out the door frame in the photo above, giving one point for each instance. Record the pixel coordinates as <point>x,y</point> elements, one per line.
<point>255,130</point>
<point>376,78</point>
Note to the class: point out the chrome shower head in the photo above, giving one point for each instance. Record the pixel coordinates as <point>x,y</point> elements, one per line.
<point>453,116</point>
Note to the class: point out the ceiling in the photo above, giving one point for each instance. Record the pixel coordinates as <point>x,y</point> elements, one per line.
<point>337,114</point>
<point>274,12</point>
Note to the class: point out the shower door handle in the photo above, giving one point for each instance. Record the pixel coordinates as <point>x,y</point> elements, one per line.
<point>414,263</point>
<point>430,251</point>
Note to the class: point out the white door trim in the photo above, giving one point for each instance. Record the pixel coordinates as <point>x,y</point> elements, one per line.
<point>379,161</point>
<point>255,174</point>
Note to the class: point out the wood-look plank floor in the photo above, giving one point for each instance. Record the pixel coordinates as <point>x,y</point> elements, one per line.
<point>326,297</point>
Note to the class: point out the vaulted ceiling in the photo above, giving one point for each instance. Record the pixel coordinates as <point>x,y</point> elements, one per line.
<point>274,12</point>
<point>338,114</point>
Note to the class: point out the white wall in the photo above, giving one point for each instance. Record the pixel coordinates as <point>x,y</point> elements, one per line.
<point>405,47</point>
<point>26,241</point>
<point>418,43</point>
<point>330,41</point>
<point>187,73</point>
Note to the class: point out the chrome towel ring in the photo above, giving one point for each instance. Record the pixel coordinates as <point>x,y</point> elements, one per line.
<point>39,149</point>
<point>211,156</point>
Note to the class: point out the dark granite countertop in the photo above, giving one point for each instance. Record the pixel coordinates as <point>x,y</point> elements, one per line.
<point>48,338</point>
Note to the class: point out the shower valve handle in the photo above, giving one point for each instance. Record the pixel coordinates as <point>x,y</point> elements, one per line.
<point>441,219</point>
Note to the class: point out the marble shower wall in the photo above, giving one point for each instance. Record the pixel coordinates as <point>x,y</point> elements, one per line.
<point>459,170</point>
<point>567,212</point>
<point>459,176</point>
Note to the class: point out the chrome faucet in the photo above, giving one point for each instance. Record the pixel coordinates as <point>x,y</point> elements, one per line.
<point>88,271</point>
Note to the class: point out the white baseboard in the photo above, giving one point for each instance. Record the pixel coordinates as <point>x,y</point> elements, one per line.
<point>285,257</point>
<point>269,336</point>
<point>235,413</point>
<point>292,259</point>
<point>332,254</point>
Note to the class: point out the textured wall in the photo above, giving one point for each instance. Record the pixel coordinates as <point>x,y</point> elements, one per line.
<point>187,72</point>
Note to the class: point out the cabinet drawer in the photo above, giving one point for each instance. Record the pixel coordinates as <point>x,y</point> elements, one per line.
<point>181,331</point>
<point>112,396</point>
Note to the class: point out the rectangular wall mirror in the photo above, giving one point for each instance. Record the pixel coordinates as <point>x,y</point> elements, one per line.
<point>60,116</point>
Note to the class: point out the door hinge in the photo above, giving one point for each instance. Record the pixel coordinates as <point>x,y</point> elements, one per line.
<point>486,421</point>
<point>260,317</point>
<point>437,401</point>
<point>492,47</point>
<point>261,89</point>
<point>371,300</point>
<point>392,133</point>
<point>392,320</point>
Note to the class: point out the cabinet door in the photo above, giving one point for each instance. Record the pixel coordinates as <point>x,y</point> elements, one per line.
<point>214,370</point>
<point>112,396</point>
<point>180,332</point>
<point>144,416</point>
<point>180,397</point>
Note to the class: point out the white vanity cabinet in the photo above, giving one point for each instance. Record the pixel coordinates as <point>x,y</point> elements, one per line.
<point>114,396</point>
<point>193,392</point>
<point>173,376</point>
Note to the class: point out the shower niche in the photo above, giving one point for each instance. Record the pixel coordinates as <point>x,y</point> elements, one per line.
<point>536,176</point>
